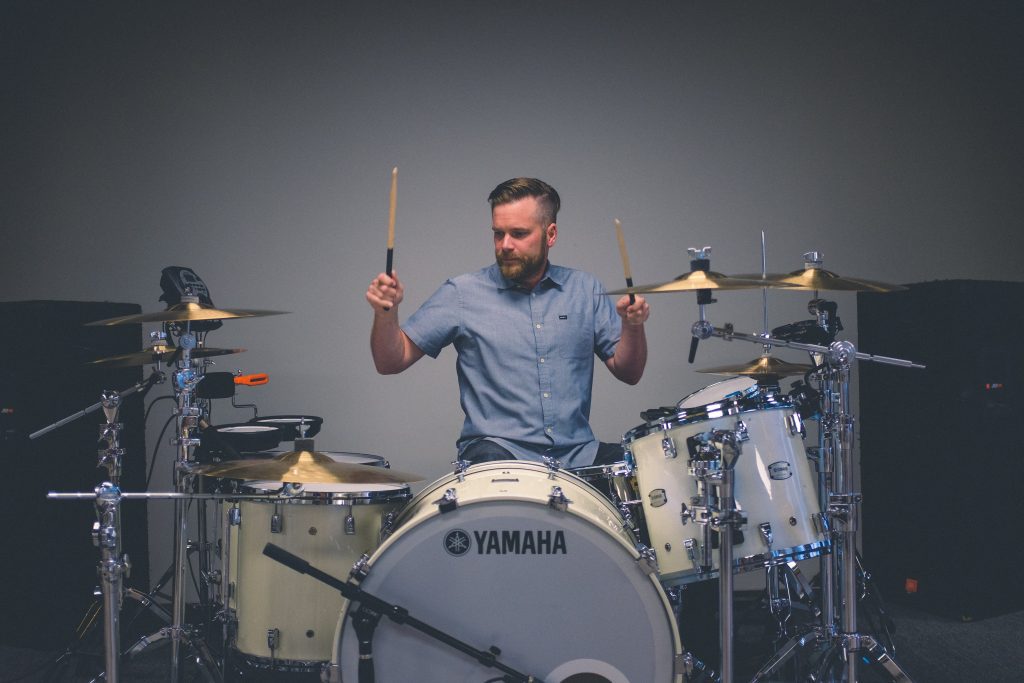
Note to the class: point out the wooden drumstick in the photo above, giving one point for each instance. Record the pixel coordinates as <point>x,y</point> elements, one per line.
<point>625,258</point>
<point>392,205</point>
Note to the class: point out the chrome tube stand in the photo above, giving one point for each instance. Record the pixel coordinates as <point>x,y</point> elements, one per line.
<point>843,508</point>
<point>113,567</point>
<point>726,520</point>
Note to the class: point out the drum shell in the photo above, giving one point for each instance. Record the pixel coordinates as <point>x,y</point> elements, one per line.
<point>774,481</point>
<point>529,605</point>
<point>331,526</point>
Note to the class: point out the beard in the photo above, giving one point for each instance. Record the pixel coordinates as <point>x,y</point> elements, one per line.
<point>521,268</point>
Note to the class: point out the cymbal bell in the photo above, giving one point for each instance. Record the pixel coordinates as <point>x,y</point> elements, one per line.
<point>159,353</point>
<point>697,280</point>
<point>765,367</point>
<point>306,467</point>
<point>182,312</point>
<point>814,279</point>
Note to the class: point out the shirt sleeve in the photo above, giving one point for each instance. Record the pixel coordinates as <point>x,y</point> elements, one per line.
<point>607,323</point>
<point>434,324</point>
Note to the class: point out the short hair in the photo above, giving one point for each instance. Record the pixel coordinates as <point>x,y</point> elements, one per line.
<point>519,188</point>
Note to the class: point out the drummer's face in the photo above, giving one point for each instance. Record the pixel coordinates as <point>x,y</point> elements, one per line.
<point>522,240</point>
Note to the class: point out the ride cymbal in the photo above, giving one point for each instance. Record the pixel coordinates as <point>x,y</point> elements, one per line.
<point>306,466</point>
<point>763,367</point>
<point>159,353</point>
<point>816,279</point>
<point>697,280</point>
<point>185,311</point>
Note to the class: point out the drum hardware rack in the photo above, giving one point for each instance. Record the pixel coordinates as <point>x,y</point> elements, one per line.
<point>839,631</point>
<point>372,608</point>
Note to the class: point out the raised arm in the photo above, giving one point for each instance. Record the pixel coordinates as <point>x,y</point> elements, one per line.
<point>392,350</point>
<point>627,365</point>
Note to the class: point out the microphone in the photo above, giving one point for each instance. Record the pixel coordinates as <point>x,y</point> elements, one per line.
<point>286,558</point>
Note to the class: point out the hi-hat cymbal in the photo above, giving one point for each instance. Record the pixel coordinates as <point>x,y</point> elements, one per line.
<point>762,368</point>
<point>699,279</point>
<point>185,311</point>
<point>306,467</point>
<point>820,279</point>
<point>159,353</point>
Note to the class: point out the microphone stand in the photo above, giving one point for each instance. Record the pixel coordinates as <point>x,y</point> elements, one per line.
<point>372,608</point>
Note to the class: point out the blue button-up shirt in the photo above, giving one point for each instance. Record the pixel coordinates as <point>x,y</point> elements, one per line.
<point>525,357</point>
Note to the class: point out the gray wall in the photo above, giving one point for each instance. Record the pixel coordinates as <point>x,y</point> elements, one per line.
<point>254,143</point>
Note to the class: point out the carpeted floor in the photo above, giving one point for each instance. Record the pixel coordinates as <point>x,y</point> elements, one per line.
<point>928,648</point>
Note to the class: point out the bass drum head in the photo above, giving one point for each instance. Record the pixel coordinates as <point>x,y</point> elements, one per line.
<point>560,593</point>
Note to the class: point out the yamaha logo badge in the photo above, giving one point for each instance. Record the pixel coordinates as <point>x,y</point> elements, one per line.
<point>457,542</point>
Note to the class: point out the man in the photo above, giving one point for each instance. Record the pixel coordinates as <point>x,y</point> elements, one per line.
<point>526,333</point>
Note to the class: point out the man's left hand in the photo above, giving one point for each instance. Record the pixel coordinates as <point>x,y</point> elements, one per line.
<point>635,313</point>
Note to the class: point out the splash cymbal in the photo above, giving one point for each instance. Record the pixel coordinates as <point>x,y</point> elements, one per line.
<point>185,311</point>
<point>159,353</point>
<point>306,466</point>
<point>815,279</point>
<point>762,368</point>
<point>697,280</point>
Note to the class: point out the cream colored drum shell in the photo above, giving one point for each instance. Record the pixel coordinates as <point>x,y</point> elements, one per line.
<point>774,483</point>
<point>265,595</point>
<point>538,620</point>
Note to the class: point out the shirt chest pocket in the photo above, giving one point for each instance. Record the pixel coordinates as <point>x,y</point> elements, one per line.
<point>574,341</point>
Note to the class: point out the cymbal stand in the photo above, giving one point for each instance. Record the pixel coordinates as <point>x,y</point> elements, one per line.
<point>187,416</point>
<point>114,565</point>
<point>843,510</point>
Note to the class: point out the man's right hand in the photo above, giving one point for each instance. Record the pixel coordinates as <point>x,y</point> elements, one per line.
<point>385,293</point>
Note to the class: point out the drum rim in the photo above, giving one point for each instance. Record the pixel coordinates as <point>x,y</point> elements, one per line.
<point>761,401</point>
<point>340,498</point>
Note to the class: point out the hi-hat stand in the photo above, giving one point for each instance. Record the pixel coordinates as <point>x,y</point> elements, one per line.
<point>843,509</point>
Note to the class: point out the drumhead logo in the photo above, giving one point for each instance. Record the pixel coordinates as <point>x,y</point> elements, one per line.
<point>458,542</point>
<point>780,470</point>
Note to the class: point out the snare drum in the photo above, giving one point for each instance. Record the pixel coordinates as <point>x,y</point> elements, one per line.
<point>774,482</point>
<point>532,561</point>
<point>286,621</point>
<point>617,481</point>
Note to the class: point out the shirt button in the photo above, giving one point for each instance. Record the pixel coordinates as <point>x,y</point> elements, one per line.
<point>549,429</point>
<point>547,395</point>
<point>542,359</point>
<point>539,325</point>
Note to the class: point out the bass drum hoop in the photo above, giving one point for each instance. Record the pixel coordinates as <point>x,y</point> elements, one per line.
<point>422,509</point>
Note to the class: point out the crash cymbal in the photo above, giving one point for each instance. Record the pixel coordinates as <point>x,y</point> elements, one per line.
<point>159,353</point>
<point>306,466</point>
<point>821,279</point>
<point>763,367</point>
<point>185,311</point>
<point>699,279</point>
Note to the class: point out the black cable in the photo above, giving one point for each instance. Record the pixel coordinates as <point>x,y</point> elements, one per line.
<point>152,460</point>
<point>149,409</point>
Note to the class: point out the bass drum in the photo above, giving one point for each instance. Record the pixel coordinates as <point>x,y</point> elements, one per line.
<point>284,621</point>
<point>774,480</point>
<point>532,561</point>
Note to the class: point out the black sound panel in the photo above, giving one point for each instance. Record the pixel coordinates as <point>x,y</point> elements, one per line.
<point>942,457</point>
<point>49,572</point>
